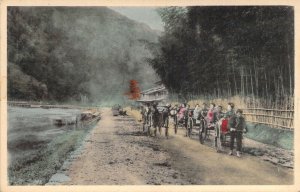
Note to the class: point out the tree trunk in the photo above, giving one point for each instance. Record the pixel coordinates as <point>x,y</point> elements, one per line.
<point>235,86</point>
<point>267,93</point>
<point>256,77</point>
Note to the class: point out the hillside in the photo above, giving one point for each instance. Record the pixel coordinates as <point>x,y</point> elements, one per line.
<point>77,52</point>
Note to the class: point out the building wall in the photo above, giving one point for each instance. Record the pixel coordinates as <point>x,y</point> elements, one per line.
<point>155,95</point>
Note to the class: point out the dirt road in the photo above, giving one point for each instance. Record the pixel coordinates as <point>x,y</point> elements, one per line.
<point>117,152</point>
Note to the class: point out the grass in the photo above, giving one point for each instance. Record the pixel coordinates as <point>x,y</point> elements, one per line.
<point>237,100</point>
<point>287,102</point>
<point>37,168</point>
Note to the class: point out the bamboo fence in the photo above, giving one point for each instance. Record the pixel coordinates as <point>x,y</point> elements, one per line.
<point>275,118</point>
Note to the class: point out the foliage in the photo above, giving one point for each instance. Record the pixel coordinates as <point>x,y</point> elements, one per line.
<point>225,51</point>
<point>134,90</point>
<point>76,53</point>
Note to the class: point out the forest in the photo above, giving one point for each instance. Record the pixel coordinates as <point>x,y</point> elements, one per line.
<point>64,54</point>
<point>91,54</point>
<point>227,51</point>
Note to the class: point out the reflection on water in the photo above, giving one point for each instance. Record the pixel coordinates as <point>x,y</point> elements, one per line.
<point>30,129</point>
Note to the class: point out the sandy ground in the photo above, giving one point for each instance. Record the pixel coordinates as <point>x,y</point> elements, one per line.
<point>117,152</point>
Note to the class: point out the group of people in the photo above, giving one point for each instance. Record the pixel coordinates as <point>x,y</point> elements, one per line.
<point>151,109</point>
<point>213,115</point>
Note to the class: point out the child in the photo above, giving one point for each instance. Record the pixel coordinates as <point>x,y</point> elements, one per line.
<point>237,127</point>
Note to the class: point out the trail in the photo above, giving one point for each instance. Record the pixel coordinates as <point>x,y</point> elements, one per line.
<point>117,152</point>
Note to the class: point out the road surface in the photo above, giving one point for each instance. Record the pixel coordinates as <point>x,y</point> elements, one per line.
<point>117,152</point>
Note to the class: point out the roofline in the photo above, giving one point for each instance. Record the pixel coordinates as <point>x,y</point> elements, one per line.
<point>154,89</point>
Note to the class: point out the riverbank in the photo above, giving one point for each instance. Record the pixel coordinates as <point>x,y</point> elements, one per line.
<point>38,148</point>
<point>37,168</point>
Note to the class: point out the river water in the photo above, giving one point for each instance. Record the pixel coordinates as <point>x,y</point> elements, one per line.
<point>31,129</point>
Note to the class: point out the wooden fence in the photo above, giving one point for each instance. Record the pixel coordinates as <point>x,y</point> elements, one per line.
<point>274,118</point>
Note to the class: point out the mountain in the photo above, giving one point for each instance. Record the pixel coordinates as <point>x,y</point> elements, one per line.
<point>77,52</point>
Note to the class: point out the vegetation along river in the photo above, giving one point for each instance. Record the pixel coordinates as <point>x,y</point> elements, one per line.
<point>34,140</point>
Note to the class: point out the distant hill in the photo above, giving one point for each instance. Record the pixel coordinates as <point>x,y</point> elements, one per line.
<point>77,52</point>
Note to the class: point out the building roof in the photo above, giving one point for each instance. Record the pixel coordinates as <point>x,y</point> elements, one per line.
<point>154,89</point>
<point>158,83</point>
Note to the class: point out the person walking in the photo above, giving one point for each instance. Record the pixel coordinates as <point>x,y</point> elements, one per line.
<point>237,127</point>
<point>155,120</point>
<point>218,119</point>
<point>197,111</point>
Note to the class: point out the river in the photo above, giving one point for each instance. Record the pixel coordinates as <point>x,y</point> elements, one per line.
<point>31,129</point>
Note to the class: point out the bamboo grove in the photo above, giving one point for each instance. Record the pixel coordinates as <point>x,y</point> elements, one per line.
<point>226,51</point>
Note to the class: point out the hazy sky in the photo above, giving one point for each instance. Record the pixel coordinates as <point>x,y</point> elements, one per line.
<point>146,15</point>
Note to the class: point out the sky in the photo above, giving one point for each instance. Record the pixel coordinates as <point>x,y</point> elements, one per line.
<point>147,15</point>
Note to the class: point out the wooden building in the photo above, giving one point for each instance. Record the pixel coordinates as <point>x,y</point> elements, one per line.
<point>159,93</point>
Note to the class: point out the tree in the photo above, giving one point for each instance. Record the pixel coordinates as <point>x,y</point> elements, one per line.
<point>134,90</point>
<point>224,51</point>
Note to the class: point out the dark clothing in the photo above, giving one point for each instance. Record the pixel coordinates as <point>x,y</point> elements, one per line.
<point>155,117</point>
<point>232,122</point>
<point>239,125</point>
<point>186,113</point>
<point>219,115</point>
<point>203,113</point>
<point>229,114</point>
<point>238,136</point>
<point>165,116</point>
<point>186,117</point>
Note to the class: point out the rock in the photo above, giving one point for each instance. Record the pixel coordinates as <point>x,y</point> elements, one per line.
<point>258,153</point>
<point>271,159</point>
<point>37,182</point>
<point>288,165</point>
<point>164,164</point>
<point>175,176</point>
<point>58,178</point>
